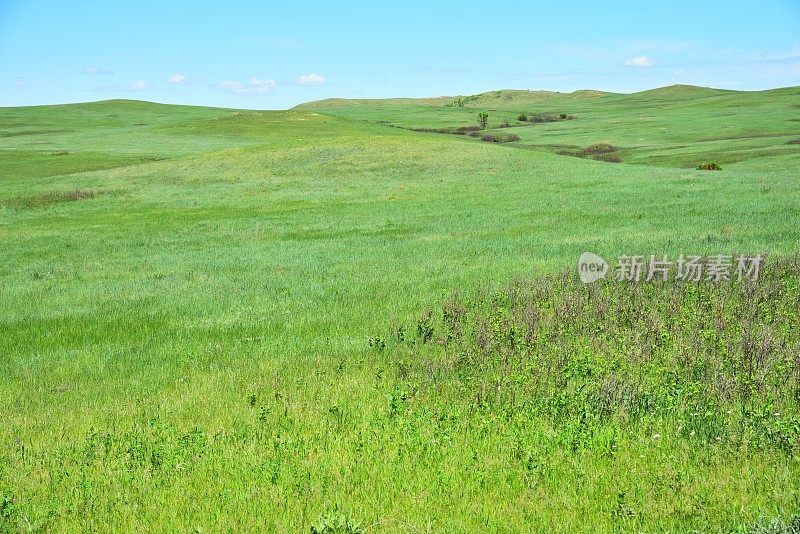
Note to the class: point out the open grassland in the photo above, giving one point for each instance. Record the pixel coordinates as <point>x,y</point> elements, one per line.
<point>217,319</point>
<point>678,126</point>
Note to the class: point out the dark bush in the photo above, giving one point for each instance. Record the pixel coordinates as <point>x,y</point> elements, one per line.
<point>432,130</point>
<point>522,117</point>
<point>461,130</point>
<point>549,118</point>
<point>610,158</point>
<point>598,151</point>
<point>794,142</point>
<point>709,166</point>
<point>491,138</point>
<point>600,148</point>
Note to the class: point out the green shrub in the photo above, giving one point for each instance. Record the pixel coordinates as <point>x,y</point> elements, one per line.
<point>336,522</point>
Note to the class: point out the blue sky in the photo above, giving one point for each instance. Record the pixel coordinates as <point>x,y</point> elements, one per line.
<point>277,54</point>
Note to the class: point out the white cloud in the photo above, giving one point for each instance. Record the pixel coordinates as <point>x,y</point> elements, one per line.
<point>311,79</point>
<point>21,82</point>
<point>178,78</point>
<point>253,87</point>
<point>95,70</point>
<point>640,61</point>
<point>141,85</point>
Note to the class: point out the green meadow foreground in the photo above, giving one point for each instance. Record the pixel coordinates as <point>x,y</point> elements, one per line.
<point>320,319</point>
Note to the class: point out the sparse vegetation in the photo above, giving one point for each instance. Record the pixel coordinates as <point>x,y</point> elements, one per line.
<point>43,200</point>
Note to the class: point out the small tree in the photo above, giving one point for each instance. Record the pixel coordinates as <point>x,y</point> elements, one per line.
<point>523,117</point>
<point>483,119</point>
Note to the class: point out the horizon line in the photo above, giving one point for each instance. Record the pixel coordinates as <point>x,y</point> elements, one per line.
<point>604,93</point>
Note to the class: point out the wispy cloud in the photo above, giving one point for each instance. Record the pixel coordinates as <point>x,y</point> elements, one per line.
<point>95,70</point>
<point>178,78</point>
<point>640,61</point>
<point>20,82</point>
<point>311,79</point>
<point>141,85</point>
<point>254,87</point>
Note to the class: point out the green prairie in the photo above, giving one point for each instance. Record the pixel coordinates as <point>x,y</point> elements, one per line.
<point>202,314</point>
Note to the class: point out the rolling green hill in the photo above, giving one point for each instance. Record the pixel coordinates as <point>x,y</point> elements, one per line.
<point>207,315</point>
<point>676,126</point>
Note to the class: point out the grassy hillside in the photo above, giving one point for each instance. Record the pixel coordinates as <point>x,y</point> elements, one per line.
<point>200,313</point>
<point>676,126</point>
